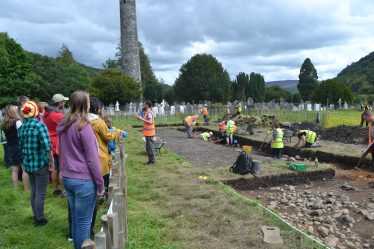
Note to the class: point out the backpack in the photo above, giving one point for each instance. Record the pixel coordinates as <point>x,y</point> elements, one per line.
<point>242,165</point>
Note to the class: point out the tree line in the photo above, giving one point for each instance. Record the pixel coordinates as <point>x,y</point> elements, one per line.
<point>201,78</point>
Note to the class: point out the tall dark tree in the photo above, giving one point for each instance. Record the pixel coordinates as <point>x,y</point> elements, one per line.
<point>256,87</point>
<point>65,55</point>
<point>239,85</point>
<point>148,76</point>
<point>307,79</point>
<point>202,77</point>
<point>16,76</point>
<point>330,91</point>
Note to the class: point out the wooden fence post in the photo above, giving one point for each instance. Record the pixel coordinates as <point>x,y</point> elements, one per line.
<point>100,240</point>
<point>106,229</point>
<point>113,226</point>
<point>88,244</point>
<point>118,207</point>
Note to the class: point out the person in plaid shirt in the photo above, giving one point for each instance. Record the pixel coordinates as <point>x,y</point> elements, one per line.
<point>38,158</point>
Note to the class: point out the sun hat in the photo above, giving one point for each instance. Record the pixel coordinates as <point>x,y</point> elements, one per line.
<point>29,109</point>
<point>59,98</point>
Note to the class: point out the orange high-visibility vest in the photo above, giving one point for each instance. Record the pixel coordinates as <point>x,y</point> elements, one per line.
<point>189,120</point>
<point>222,127</point>
<point>149,130</point>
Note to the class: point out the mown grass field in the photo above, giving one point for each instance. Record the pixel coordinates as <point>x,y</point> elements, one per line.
<point>169,207</point>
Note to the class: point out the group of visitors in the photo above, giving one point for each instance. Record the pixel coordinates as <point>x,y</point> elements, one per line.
<point>70,149</point>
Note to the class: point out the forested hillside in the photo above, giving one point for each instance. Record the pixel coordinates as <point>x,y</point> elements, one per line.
<point>359,76</point>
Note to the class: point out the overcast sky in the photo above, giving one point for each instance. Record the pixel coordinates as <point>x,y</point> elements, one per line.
<point>271,37</point>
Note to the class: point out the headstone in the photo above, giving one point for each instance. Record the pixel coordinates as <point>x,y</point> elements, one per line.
<point>345,106</point>
<point>182,109</point>
<point>1,116</point>
<point>172,110</point>
<point>161,110</point>
<point>155,110</point>
<point>177,109</point>
<point>189,108</point>
<point>109,110</point>
<point>132,107</point>
<point>340,103</point>
<point>167,109</point>
<point>250,101</point>
<point>317,107</point>
<point>332,106</point>
<point>117,106</point>
<point>309,107</point>
<point>127,108</point>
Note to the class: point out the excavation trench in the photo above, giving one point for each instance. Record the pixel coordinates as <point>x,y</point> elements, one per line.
<point>312,201</point>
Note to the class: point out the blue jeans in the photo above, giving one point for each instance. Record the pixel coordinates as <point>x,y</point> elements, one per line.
<point>82,198</point>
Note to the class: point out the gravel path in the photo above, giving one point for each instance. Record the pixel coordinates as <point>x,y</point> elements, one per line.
<point>198,152</point>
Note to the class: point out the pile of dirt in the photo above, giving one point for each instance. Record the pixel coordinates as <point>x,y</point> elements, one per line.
<point>346,134</point>
<point>255,121</point>
<point>342,133</point>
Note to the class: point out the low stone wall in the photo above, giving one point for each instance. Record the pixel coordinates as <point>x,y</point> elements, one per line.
<point>294,178</point>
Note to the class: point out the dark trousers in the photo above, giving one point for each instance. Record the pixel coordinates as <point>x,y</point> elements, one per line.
<point>150,149</point>
<point>362,121</point>
<point>276,152</point>
<point>39,183</point>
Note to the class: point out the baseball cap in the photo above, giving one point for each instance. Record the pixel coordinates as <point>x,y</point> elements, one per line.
<point>59,98</point>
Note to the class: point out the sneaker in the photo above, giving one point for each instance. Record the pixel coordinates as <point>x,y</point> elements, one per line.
<point>57,192</point>
<point>70,239</point>
<point>150,162</point>
<point>101,201</point>
<point>64,194</point>
<point>41,222</point>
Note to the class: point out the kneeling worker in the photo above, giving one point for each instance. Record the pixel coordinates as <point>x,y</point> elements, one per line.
<point>206,136</point>
<point>307,137</point>
<point>277,142</point>
<point>188,122</point>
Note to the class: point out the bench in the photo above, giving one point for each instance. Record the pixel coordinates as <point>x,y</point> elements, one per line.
<point>287,135</point>
<point>157,144</point>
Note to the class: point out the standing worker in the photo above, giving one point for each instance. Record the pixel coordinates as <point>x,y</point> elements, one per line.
<point>277,142</point>
<point>204,112</point>
<point>188,122</point>
<point>365,107</point>
<point>239,111</point>
<point>368,117</point>
<point>230,129</point>
<point>149,130</point>
<point>307,137</point>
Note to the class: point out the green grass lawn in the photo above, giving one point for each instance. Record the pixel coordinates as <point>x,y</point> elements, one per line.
<point>169,207</point>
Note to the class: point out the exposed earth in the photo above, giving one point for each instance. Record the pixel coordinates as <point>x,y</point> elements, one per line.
<point>198,152</point>
<point>341,133</point>
<point>340,218</point>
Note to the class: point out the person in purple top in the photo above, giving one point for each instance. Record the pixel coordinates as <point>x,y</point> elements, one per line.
<point>80,166</point>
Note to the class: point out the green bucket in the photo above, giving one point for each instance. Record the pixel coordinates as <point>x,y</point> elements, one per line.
<point>297,166</point>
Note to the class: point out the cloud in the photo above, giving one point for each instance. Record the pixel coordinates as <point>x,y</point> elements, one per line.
<point>270,37</point>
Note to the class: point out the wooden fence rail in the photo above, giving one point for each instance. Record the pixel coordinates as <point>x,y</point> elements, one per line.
<point>114,232</point>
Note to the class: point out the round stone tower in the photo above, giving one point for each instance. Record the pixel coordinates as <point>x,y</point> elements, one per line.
<point>129,40</point>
